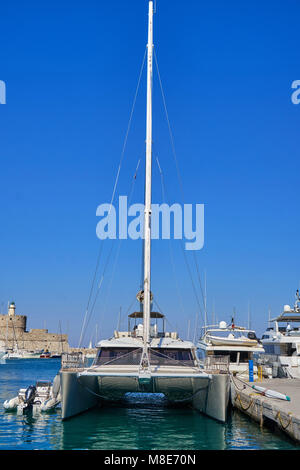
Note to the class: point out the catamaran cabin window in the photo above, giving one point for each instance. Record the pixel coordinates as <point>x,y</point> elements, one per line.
<point>119,356</point>
<point>168,356</point>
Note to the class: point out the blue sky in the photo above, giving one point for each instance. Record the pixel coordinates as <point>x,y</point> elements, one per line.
<point>71,70</point>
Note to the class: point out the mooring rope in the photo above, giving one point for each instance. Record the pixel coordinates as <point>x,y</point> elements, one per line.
<point>284,427</point>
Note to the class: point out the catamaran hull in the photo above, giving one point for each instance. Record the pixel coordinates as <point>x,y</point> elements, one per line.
<point>216,401</point>
<point>76,398</point>
<point>207,394</point>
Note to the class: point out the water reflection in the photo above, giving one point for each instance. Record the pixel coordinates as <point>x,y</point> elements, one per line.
<point>147,425</point>
<point>244,433</point>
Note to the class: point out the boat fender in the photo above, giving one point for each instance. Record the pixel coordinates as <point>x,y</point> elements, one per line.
<point>271,393</point>
<point>11,404</point>
<point>49,404</point>
<point>56,386</point>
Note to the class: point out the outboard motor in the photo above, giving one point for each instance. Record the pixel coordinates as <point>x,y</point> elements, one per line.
<point>29,397</point>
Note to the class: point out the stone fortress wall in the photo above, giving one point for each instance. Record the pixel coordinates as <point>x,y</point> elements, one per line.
<point>13,334</point>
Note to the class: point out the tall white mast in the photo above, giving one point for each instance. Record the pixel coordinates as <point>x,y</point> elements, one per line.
<point>147,219</point>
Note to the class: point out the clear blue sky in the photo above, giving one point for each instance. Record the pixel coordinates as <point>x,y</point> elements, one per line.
<point>71,70</point>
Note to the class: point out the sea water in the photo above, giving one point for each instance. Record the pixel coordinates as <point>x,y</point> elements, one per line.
<point>139,424</point>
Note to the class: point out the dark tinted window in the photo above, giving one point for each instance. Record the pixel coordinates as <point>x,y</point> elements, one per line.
<point>168,356</point>
<point>119,356</point>
<point>244,355</point>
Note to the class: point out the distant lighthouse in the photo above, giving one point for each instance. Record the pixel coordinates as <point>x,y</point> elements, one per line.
<point>11,309</point>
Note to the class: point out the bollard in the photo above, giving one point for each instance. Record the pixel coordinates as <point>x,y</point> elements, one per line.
<point>251,378</point>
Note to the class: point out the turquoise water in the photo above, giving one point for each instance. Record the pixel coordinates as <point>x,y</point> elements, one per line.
<point>150,426</point>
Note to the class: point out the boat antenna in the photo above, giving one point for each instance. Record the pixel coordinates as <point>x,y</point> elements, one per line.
<point>249,316</point>
<point>119,319</point>
<point>297,300</point>
<point>188,330</point>
<point>233,318</point>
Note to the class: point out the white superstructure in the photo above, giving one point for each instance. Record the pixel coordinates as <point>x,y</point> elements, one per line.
<point>237,343</point>
<point>282,342</point>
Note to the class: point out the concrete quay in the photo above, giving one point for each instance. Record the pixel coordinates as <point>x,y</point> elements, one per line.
<point>282,414</point>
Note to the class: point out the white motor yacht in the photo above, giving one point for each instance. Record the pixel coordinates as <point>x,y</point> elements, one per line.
<point>281,342</point>
<point>237,343</point>
<point>21,354</point>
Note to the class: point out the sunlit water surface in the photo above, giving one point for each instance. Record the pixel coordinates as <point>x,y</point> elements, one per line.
<point>149,425</point>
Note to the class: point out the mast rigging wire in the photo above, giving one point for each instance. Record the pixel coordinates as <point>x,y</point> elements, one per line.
<point>170,245</point>
<point>120,241</point>
<point>179,178</point>
<point>109,256</point>
<point>113,194</point>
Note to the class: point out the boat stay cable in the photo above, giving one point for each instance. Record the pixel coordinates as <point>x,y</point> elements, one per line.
<point>108,260</point>
<point>113,195</point>
<point>178,290</point>
<point>184,254</point>
<point>120,243</point>
<point>179,180</point>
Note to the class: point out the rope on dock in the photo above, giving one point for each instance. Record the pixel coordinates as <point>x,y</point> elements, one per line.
<point>284,427</point>
<point>241,403</point>
<point>259,404</point>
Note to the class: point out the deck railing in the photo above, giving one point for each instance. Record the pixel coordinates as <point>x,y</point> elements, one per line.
<point>73,360</point>
<point>218,363</point>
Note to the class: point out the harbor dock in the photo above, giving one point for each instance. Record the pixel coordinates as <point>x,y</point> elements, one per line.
<point>284,415</point>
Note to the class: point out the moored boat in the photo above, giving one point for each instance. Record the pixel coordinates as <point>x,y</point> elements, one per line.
<point>43,396</point>
<point>144,358</point>
<point>239,344</point>
<point>282,342</point>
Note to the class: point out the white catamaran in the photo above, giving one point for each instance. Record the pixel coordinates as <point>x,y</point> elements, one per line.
<point>144,358</point>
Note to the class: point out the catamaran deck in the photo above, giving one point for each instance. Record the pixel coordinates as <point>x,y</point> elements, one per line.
<point>135,371</point>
